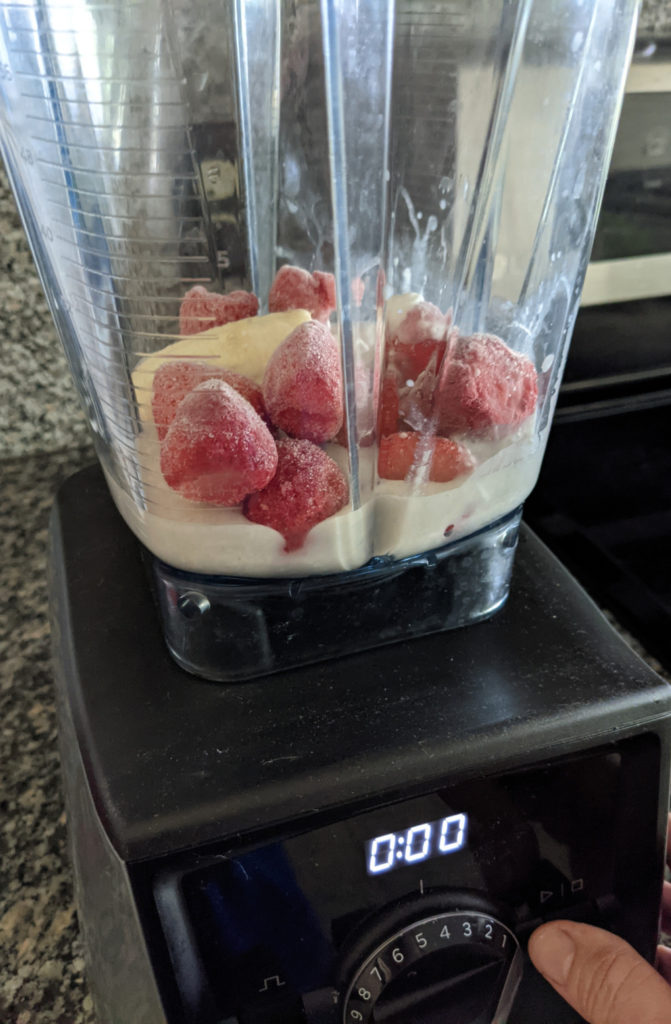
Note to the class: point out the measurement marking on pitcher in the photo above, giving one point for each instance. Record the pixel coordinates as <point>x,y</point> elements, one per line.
<point>120,277</point>
<point>78,191</point>
<point>167,260</point>
<point>178,258</point>
<point>102,375</point>
<point>108,359</point>
<point>128,256</point>
<point>101,127</point>
<point>161,242</point>
<point>74,8</point>
<point>101,103</point>
<point>109,52</point>
<point>98,194</point>
<point>131,277</point>
<point>122,425</point>
<point>122,79</point>
<point>95,148</point>
<point>129,174</point>
<point>146,242</point>
<point>21,51</point>
<point>184,218</point>
<point>124,436</point>
<point>70,31</point>
<point>115,294</point>
<point>104,372</point>
<point>161,317</point>
<point>149,334</point>
<point>110,405</point>
<point>152,336</point>
<point>75,168</point>
<point>109,356</point>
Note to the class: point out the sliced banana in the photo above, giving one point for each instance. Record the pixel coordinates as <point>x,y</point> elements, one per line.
<point>244,346</point>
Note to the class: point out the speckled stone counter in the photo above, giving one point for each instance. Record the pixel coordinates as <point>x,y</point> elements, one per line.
<point>39,409</point>
<point>655,20</point>
<point>41,965</point>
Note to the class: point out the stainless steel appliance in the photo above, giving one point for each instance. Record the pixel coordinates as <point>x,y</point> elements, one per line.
<point>603,501</point>
<point>631,256</point>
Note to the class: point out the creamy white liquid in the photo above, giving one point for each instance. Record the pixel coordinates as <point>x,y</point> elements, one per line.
<point>392,521</point>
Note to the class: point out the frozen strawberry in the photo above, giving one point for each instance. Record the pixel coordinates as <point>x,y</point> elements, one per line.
<point>294,288</point>
<point>387,422</point>
<point>449,459</point>
<point>486,388</point>
<point>201,309</point>
<point>174,379</point>
<point>421,334</point>
<point>302,385</point>
<point>245,387</point>
<point>217,449</point>
<point>307,488</point>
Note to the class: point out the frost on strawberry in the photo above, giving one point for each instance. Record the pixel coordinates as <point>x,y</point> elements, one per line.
<point>486,389</point>
<point>302,385</point>
<point>307,488</point>
<point>200,310</point>
<point>294,288</point>
<point>174,379</point>
<point>217,449</point>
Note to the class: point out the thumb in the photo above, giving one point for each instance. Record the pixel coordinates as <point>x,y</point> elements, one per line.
<point>600,975</point>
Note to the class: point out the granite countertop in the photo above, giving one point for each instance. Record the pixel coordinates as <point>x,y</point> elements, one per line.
<point>41,964</point>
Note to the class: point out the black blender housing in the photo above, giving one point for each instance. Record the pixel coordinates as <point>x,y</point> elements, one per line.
<point>193,805</point>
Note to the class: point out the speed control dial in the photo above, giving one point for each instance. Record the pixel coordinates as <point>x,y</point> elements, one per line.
<point>454,967</point>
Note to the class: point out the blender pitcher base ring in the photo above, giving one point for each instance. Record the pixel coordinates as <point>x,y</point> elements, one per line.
<point>231,630</point>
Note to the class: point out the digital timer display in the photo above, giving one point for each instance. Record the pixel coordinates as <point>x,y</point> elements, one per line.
<point>415,844</point>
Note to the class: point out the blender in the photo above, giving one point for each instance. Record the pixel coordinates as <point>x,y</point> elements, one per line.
<point>370,222</point>
<point>315,266</point>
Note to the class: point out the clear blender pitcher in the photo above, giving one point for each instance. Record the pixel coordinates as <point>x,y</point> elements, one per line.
<point>315,266</point>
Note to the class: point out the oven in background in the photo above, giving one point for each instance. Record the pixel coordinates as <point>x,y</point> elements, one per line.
<point>631,257</point>
<point>603,499</point>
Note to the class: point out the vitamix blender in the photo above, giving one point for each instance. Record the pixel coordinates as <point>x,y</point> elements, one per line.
<point>369,222</point>
<point>315,266</point>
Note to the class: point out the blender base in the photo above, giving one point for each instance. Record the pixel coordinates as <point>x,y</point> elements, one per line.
<point>228,629</point>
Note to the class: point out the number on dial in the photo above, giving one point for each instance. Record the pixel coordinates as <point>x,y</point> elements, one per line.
<point>414,942</point>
